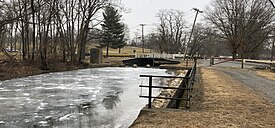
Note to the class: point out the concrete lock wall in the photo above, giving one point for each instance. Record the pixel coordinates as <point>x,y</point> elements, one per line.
<point>95,56</point>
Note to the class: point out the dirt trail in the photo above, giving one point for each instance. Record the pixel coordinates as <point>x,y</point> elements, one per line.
<point>226,103</point>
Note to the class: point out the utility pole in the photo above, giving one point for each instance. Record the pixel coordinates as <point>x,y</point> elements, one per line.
<point>197,12</point>
<point>142,36</point>
<point>136,37</point>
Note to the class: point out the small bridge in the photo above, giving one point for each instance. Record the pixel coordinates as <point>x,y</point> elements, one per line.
<point>142,62</point>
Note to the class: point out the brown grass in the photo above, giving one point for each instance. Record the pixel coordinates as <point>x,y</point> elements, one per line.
<point>267,74</point>
<point>181,65</point>
<point>226,103</point>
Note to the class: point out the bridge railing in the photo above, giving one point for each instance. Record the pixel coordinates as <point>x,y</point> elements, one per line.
<point>159,55</point>
<point>186,87</point>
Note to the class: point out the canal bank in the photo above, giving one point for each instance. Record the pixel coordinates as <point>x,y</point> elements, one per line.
<point>11,70</point>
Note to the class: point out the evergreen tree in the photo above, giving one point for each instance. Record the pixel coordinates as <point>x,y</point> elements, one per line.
<point>113,30</point>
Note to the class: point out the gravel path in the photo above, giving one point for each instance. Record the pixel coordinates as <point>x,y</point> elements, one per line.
<point>248,77</point>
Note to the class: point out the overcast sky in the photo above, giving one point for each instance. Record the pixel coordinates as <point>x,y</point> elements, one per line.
<point>144,11</point>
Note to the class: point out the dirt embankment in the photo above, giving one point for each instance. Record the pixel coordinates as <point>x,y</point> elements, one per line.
<point>16,70</point>
<point>223,102</point>
<point>10,70</point>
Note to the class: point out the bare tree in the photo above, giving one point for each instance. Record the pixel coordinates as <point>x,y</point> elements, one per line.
<point>244,24</point>
<point>198,40</point>
<point>171,29</point>
<point>33,27</point>
<point>50,29</point>
<point>90,9</point>
<point>7,17</point>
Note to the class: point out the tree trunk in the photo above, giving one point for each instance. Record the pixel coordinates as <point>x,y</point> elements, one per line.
<point>82,42</point>
<point>11,36</point>
<point>107,50</point>
<point>33,26</point>
<point>272,51</point>
<point>27,47</point>
<point>234,54</point>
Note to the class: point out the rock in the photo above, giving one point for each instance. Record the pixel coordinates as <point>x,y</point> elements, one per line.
<point>160,103</point>
<point>135,65</point>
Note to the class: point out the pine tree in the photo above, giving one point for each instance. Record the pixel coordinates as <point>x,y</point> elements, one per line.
<point>113,30</point>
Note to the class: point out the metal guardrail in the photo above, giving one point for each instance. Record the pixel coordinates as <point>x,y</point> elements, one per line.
<point>185,86</point>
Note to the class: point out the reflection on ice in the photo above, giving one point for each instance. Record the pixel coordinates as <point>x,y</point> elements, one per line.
<point>104,97</point>
<point>111,99</point>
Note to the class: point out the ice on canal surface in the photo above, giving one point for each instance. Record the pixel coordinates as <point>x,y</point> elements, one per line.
<point>100,98</point>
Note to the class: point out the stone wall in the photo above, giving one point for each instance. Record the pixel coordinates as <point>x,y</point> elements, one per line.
<point>175,82</point>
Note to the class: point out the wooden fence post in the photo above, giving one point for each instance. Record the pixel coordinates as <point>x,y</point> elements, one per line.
<point>150,93</point>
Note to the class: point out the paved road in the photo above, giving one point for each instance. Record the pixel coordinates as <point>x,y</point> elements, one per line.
<point>248,77</point>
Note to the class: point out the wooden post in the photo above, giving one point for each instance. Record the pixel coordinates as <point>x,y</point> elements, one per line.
<point>211,61</point>
<point>242,63</point>
<point>150,93</point>
<point>242,66</point>
<point>153,60</point>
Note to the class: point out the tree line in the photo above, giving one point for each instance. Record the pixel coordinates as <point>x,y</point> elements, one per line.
<point>42,30</point>
<point>240,28</point>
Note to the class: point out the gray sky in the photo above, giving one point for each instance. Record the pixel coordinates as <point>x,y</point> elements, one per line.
<point>144,11</point>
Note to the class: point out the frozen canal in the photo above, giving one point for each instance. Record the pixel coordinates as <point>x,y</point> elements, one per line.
<point>88,98</point>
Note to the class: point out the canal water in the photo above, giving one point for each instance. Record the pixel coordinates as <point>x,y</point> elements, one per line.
<point>88,98</point>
